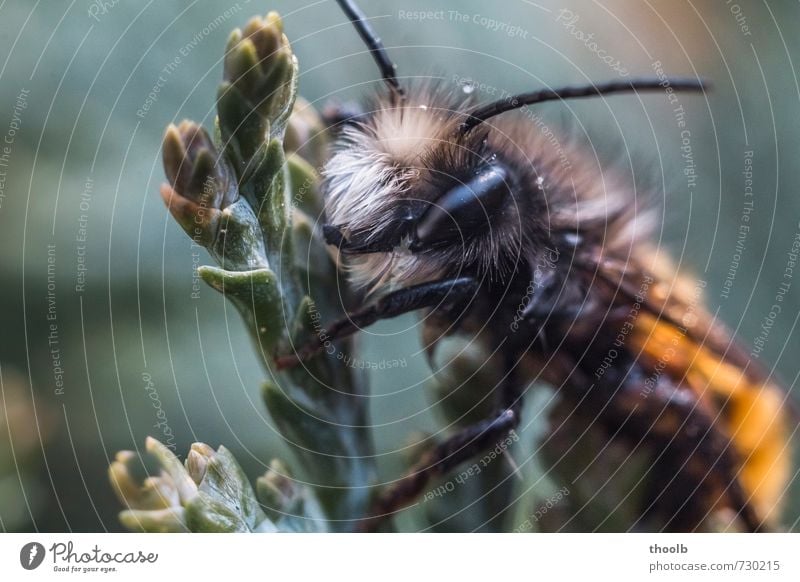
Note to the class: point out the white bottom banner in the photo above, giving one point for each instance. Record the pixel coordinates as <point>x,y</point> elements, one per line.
<point>356,557</point>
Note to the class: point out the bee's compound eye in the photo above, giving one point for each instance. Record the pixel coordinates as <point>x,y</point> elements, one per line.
<point>464,211</point>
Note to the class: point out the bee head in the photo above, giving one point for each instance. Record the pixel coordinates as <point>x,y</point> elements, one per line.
<point>407,191</point>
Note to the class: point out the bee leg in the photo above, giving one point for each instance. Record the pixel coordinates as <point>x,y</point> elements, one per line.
<point>460,447</point>
<point>450,294</point>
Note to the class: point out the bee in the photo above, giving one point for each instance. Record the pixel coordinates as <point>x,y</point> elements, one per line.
<point>442,205</point>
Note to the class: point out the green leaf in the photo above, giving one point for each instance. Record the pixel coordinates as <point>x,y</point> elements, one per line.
<point>250,232</point>
<point>226,499</point>
<point>210,493</point>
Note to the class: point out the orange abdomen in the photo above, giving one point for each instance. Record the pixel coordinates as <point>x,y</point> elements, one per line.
<point>749,409</point>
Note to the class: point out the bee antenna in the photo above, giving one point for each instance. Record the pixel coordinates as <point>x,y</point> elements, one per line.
<point>481,113</point>
<point>373,42</point>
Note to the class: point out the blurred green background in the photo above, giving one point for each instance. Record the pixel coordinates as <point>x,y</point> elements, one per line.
<point>97,280</point>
